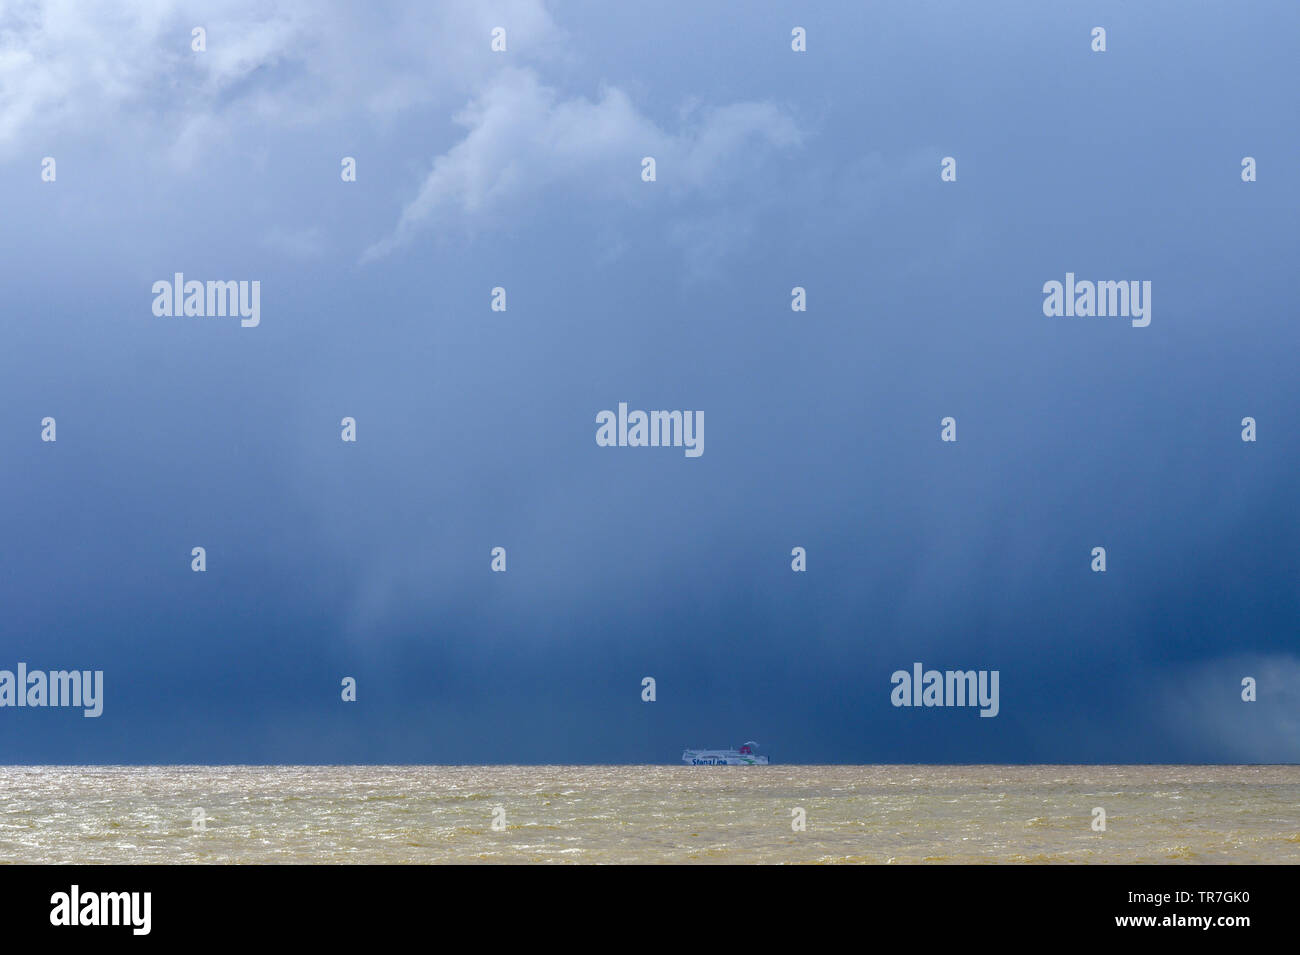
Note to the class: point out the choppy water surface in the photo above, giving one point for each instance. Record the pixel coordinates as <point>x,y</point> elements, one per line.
<point>421,814</point>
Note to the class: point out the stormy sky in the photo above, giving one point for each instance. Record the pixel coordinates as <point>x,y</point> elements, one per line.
<point>476,429</point>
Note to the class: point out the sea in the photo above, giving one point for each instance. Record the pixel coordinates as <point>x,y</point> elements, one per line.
<point>650,814</point>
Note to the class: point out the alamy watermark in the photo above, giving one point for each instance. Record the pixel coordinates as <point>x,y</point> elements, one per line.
<point>946,688</point>
<point>84,688</point>
<point>75,907</point>
<point>651,429</point>
<point>212,299</point>
<point>1085,299</point>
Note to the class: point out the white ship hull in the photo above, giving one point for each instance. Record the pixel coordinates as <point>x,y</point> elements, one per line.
<point>745,756</point>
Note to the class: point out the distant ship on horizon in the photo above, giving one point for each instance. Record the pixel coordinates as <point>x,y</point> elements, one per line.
<point>747,755</point>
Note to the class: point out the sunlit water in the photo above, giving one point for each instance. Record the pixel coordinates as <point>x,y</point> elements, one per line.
<point>422,814</point>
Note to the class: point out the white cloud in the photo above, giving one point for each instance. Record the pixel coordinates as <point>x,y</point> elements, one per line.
<point>126,76</point>
<point>72,69</point>
<point>524,139</point>
<point>308,243</point>
<point>1204,709</point>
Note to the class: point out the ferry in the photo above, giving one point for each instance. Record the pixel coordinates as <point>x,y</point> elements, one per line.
<point>747,755</point>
